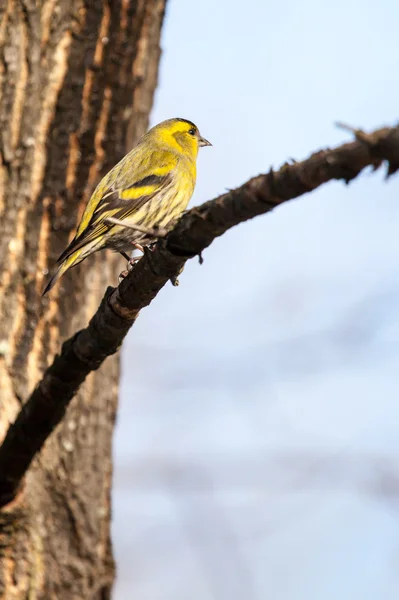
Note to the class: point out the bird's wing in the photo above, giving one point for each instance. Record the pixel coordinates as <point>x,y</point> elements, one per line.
<point>126,188</point>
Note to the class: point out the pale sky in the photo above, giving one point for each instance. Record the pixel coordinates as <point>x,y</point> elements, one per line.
<point>258,432</point>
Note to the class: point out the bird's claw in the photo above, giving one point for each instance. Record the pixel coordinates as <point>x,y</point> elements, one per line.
<point>130,266</point>
<point>132,262</point>
<point>138,247</point>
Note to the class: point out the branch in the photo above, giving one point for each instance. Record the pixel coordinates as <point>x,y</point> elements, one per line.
<point>194,232</point>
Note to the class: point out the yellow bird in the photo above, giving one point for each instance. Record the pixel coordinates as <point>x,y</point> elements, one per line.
<point>150,187</point>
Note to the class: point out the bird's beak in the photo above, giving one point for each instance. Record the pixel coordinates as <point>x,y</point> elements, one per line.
<point>203,142</point>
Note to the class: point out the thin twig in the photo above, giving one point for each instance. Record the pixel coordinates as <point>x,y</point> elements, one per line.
<point>358,133</point>
<point>345,127</point>
<point>156,233</point>
<point>194,232</point>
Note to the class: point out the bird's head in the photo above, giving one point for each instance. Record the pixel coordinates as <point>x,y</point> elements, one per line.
<point>181,135</point>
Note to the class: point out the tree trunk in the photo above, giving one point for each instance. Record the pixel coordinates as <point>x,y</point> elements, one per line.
<point>76,87</point>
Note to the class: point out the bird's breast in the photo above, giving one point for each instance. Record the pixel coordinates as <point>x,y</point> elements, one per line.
<point>171,202</point>
<point>161,210</point>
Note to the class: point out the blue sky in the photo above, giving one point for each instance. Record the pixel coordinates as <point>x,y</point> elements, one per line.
<point>258,429</point>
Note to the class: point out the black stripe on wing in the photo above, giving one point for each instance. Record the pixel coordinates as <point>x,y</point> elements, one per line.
<point>150,180</point>
<point>122,207</point>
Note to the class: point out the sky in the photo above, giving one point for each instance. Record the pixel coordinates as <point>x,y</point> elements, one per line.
<point>257,440</point>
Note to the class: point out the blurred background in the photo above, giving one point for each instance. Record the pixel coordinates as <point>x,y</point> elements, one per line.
<point>257,445</point>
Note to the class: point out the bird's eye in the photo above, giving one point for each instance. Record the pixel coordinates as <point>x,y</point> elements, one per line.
<point>191,131</point>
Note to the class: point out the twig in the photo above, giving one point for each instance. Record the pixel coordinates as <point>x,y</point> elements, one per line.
<point>345,127</point>
<point>153,233</point>
<point>194,232</point>
<point>358,133</point>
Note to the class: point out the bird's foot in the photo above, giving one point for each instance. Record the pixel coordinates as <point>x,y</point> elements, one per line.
<point>131,261</point>
<point>138,246</point>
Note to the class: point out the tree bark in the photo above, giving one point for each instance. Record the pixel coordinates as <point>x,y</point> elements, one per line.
<point>76,87</point>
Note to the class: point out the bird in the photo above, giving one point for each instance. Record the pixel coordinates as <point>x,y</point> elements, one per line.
<point>148,189</point>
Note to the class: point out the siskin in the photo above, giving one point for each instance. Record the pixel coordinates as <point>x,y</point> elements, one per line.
<point>149,188</point>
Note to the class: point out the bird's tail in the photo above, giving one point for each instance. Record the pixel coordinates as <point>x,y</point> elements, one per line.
<point>69,262</point>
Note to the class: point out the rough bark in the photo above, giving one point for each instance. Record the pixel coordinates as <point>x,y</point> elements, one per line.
<point>76,85</point>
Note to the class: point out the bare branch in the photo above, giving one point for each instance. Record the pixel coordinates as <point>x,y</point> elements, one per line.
<point>194,232</point>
